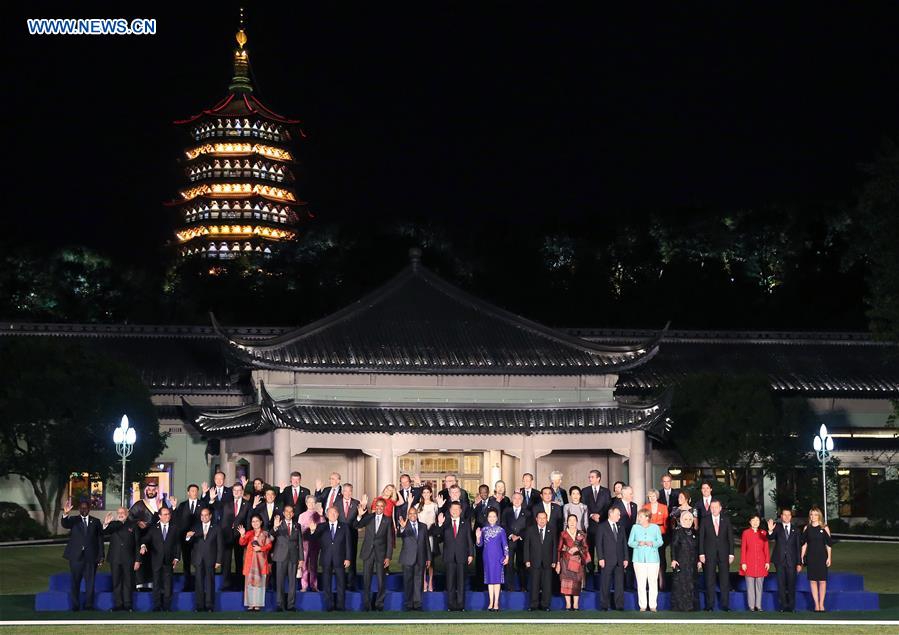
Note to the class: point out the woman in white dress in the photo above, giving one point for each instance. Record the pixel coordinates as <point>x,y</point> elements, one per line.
<point>427,514</point>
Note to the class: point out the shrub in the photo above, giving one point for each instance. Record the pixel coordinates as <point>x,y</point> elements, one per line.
<point>16,524</point>
<point>885,499</point>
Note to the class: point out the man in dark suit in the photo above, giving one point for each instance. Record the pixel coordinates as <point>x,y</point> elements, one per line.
<point>84,551</point>
<point>187,514</point>
<point>294,494</point>
<point>553,512</point>
<point>787,557</point>
<point>218,496</point>
<point>540,557</point>
<point>328,496</point>
<point>716,550</point>
<point>530,493</point>
<point>408,496</point>
<point>205,540</point>
<point>287,554</point>
<point>458,552</point>
<point>268,509</point>
<point>446,494</point>
<point>123,554</point>
<point>164,545</point>
<point>377,548</point>
<point>704,504</point>
<point>415,556</point>
<point>667,494</point>
<point>335,552</point>
<point>515,521</point>
<point>628,519</point>
<point>597,499</point>
<point>612,558</point>
<point>234,514</point>
<point>455,495</point>
<point>348,513</point>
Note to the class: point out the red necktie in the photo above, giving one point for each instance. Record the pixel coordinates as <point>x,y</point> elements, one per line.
<point>716,526</point>
<point>331,498</point>
<point>289,526</point>
<point>236,506</point>
<point>294,496</point>
<point>346,508</point>
<point>455,529</point>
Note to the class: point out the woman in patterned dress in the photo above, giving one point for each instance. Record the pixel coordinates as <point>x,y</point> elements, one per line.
<point>573,560</point>
<point>496,556</point>
<point>256,567</point>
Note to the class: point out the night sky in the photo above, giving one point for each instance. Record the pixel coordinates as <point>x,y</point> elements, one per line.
<point>458,112</point>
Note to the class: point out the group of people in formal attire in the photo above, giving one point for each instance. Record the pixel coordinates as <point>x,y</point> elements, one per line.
<point>540,540</point>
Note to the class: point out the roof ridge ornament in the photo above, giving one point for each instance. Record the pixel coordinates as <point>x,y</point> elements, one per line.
<point>241,83</point>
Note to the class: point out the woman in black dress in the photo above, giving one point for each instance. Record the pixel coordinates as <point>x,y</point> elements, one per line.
<point>684,556</point>
<point>816,555</point>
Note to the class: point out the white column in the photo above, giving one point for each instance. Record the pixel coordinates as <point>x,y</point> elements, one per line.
<point>385,464</point>
<point>528,458</point>
<point>281,455</point>
<point>636,466</point>
<point>226,463</point>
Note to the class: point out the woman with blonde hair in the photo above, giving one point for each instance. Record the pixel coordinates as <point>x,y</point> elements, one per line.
<point>390,497</point>
<point>816,552</point>
<point>645,540</point>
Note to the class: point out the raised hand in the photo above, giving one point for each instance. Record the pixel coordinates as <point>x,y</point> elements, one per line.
<point>212,495</point>
<point>108,518</point>
<point>477,535</point>
<point>256,500</point>
<point>402,522</point>
<point>244,480</point>
<point>241,530</point>
<point>277,521</point>
<point>318,485</point>
<point>205,487</point>
<point>67,506</point>
<point>363,502</point>
<point>282,485</point>
<point>440,501</point>
<point>770,525</point>
<point>173,501</point>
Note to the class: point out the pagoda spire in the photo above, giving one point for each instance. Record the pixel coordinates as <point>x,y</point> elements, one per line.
<point>241,83</point>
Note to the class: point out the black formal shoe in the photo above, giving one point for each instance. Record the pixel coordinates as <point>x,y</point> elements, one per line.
<point>725,609</point>
<point>75,609</point>
<point>546,609</point>
<point>279,609</point>
<point>708,609</point>
<point>531,609</point>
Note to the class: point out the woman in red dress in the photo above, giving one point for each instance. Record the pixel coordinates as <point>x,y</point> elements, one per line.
<point>754,561</point>
<point>573,560</point>
<point>390,497</point>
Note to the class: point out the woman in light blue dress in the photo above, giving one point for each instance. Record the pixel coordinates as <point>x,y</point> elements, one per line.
<point>645,540</point>
<point>496,556</point>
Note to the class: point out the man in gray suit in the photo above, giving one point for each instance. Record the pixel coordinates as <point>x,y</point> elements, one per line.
<point>287,555</point>
<point>415,556</point>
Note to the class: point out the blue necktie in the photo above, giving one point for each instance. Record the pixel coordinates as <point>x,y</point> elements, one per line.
<point>333,532</point>
<point>415,530</point>
<point>165,531</point>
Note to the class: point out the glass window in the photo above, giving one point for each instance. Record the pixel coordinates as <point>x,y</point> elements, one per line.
<point>84,486</point>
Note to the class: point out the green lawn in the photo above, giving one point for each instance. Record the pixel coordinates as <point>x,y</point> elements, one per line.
<point>464,629</point>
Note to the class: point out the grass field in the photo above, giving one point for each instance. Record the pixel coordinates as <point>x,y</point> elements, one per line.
<point>24,571</point>
<point>464,629</point>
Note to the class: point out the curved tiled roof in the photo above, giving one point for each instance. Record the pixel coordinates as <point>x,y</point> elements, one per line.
<point>419,323</point>
<point>424,418</point>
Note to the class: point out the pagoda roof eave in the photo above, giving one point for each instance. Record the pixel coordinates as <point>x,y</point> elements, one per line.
<point>239,104</point>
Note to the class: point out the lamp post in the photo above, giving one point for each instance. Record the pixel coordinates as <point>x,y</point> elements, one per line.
<point>124,438</point>
<point>823,444</point>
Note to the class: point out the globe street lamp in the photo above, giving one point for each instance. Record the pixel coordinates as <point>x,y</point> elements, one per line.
<point>124,438</point>
<point>823,444</point>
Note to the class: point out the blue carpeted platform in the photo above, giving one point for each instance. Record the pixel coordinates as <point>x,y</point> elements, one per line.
<point>845,592</point>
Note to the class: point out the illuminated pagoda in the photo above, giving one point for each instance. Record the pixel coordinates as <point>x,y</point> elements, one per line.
<point>240,196</point>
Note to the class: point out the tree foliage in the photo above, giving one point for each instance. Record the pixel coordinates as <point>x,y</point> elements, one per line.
<point>737,421</point>
<point>59,404</point>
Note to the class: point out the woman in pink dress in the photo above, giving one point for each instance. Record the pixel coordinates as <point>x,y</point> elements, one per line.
<point>312,515</point>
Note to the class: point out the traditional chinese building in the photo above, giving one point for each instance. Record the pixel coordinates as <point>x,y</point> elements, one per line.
<point>421,377</point>
<point>239,197</point>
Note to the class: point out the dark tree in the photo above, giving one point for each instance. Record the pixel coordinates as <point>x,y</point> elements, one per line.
<point>59,404</point>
